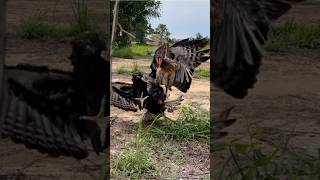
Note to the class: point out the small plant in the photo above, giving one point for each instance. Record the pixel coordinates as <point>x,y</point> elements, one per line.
<point>135,68</point>
<point>81,17</point>
<point>122,70</point>
<point>123,53</point>
<point>134,163</point>
<point>202,72</point>
<point>252,161</point>
<point>191,124</point>
<point>37,27</point>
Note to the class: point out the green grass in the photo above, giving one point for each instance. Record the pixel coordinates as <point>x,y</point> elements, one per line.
<point>192,124</point>
<point>202,72</point>
<point>124,70</point>
<point>37,27</point>
<point>135,68</point>
<point>294,35</point>
<point>152,153</point>
<point>133,163</point>
<point>252,161</point>
<point>123,53</point>
<point>134,51</point>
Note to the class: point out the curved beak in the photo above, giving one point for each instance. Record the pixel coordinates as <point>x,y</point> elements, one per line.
<point>158,61</point>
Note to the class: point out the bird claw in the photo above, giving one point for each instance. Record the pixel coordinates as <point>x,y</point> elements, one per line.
<point>100,119</point>
<point>142,99</point>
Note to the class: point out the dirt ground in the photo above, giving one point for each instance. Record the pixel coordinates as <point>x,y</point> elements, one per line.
<point>17,162</point>
<point>195,155</point>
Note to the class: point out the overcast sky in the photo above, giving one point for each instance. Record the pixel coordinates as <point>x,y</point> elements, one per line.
<point>184,18</point>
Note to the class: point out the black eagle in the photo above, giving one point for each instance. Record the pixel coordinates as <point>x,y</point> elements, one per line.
<point>48,110</point>
<point>142,93</point>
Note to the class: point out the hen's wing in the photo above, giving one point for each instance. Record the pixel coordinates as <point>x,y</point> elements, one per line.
<point>240,30</point>
<point>188,55</point>
<point>41,110</point>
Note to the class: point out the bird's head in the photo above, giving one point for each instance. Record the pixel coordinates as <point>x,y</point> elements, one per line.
<point>161,54</point>
<point>86,45</point>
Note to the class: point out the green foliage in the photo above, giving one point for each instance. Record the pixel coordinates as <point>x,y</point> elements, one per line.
<point>133,17</point>
<point>292,34</point>
<point>133,163</point>
<point>37,27</point>
<point>80,13</point>
<point>134,51</point>
<point>191,124</point>
<point>122,70</point>
<point>124,52</point>
<point>251,161</point>
<point>135,68</point>
<point>163,31</point>
<point>202,72</point>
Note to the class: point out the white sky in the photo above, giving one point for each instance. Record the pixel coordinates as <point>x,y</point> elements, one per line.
<point>184,18</point>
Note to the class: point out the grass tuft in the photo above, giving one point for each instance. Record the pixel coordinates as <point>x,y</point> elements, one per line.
<point>202,72</point>
<point>134,51</point>
<point>253,161</point>
<point>291,34</point>
<point>122,70</point>
<point>135,68</point>
<point>123,53</point>
<point>37,27</point>
<point>192,124</point>
<point>134,163</point>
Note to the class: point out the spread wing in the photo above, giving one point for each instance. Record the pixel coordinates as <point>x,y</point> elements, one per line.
<point>122,97</point>
<point>188,55</point>
<point>125,95</point>
<point>239,32</point>
<point>41,108</point>
<point>56,112</point>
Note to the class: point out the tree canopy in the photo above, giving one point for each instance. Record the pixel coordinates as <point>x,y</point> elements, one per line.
<point>133,17</point>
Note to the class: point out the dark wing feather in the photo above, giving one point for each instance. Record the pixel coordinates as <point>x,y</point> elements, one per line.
<point>221,122</point>
<point>42,119</point>
<point>188,57</point>
<point>125,95</point>
<point>187,54</point>
<point>239,32</point>
<point>122,97</point>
